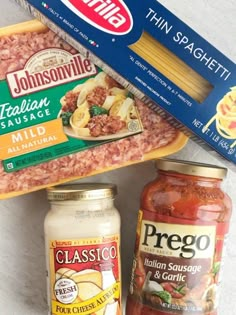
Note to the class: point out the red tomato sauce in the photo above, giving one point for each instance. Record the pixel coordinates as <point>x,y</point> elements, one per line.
<point>181,232</point>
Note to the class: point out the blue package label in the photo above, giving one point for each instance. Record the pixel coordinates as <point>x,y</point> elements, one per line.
<point>130,40</point>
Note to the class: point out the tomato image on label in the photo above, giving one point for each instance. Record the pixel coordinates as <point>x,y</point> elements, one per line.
<point>111,16</point>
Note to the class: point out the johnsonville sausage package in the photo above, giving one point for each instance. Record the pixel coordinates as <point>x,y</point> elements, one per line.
<point>63,118</point>
<point>159,58</point>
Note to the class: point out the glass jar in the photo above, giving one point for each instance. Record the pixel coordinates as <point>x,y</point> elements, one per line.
<point>181,231</point>
<point>82,237</point>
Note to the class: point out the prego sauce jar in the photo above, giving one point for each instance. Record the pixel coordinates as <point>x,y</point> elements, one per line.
<point>182,227</point>
<point>82,237</point>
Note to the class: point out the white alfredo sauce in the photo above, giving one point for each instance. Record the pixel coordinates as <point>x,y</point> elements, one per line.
<point>82,238</point>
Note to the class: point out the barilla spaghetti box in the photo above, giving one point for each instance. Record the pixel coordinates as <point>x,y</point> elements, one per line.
<point>157,57</point>
<point>63,118</point>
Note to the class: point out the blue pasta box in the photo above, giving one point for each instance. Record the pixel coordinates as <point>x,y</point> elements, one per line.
<point>159,58</point>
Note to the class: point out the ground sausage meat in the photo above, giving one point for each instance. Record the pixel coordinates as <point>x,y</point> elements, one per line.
<point>70,101</point>
<point>112,83</point>
<point>157,133</point>
<point>102,125</point>
<point>97,96</point>
<point>16,49</point>
<point>14,52</point>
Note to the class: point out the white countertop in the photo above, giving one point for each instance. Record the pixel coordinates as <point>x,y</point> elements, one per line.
<point>22,265</point>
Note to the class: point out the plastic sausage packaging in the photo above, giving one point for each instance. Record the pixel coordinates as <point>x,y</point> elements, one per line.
<point>62,118</point>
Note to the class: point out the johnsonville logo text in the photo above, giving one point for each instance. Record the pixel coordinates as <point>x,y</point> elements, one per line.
<point>48,68</point>
<point>110,16</point>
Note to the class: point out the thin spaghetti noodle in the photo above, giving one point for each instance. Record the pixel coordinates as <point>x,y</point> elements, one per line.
<point>225,117</point>
<point>172,67</point>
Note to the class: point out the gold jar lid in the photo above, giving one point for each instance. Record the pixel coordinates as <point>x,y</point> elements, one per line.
<point>81,192</point>
<point>191,168</point>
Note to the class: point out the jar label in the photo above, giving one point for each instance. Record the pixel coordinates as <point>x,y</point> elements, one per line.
<point>85,276</point>
<point>177,263</point>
